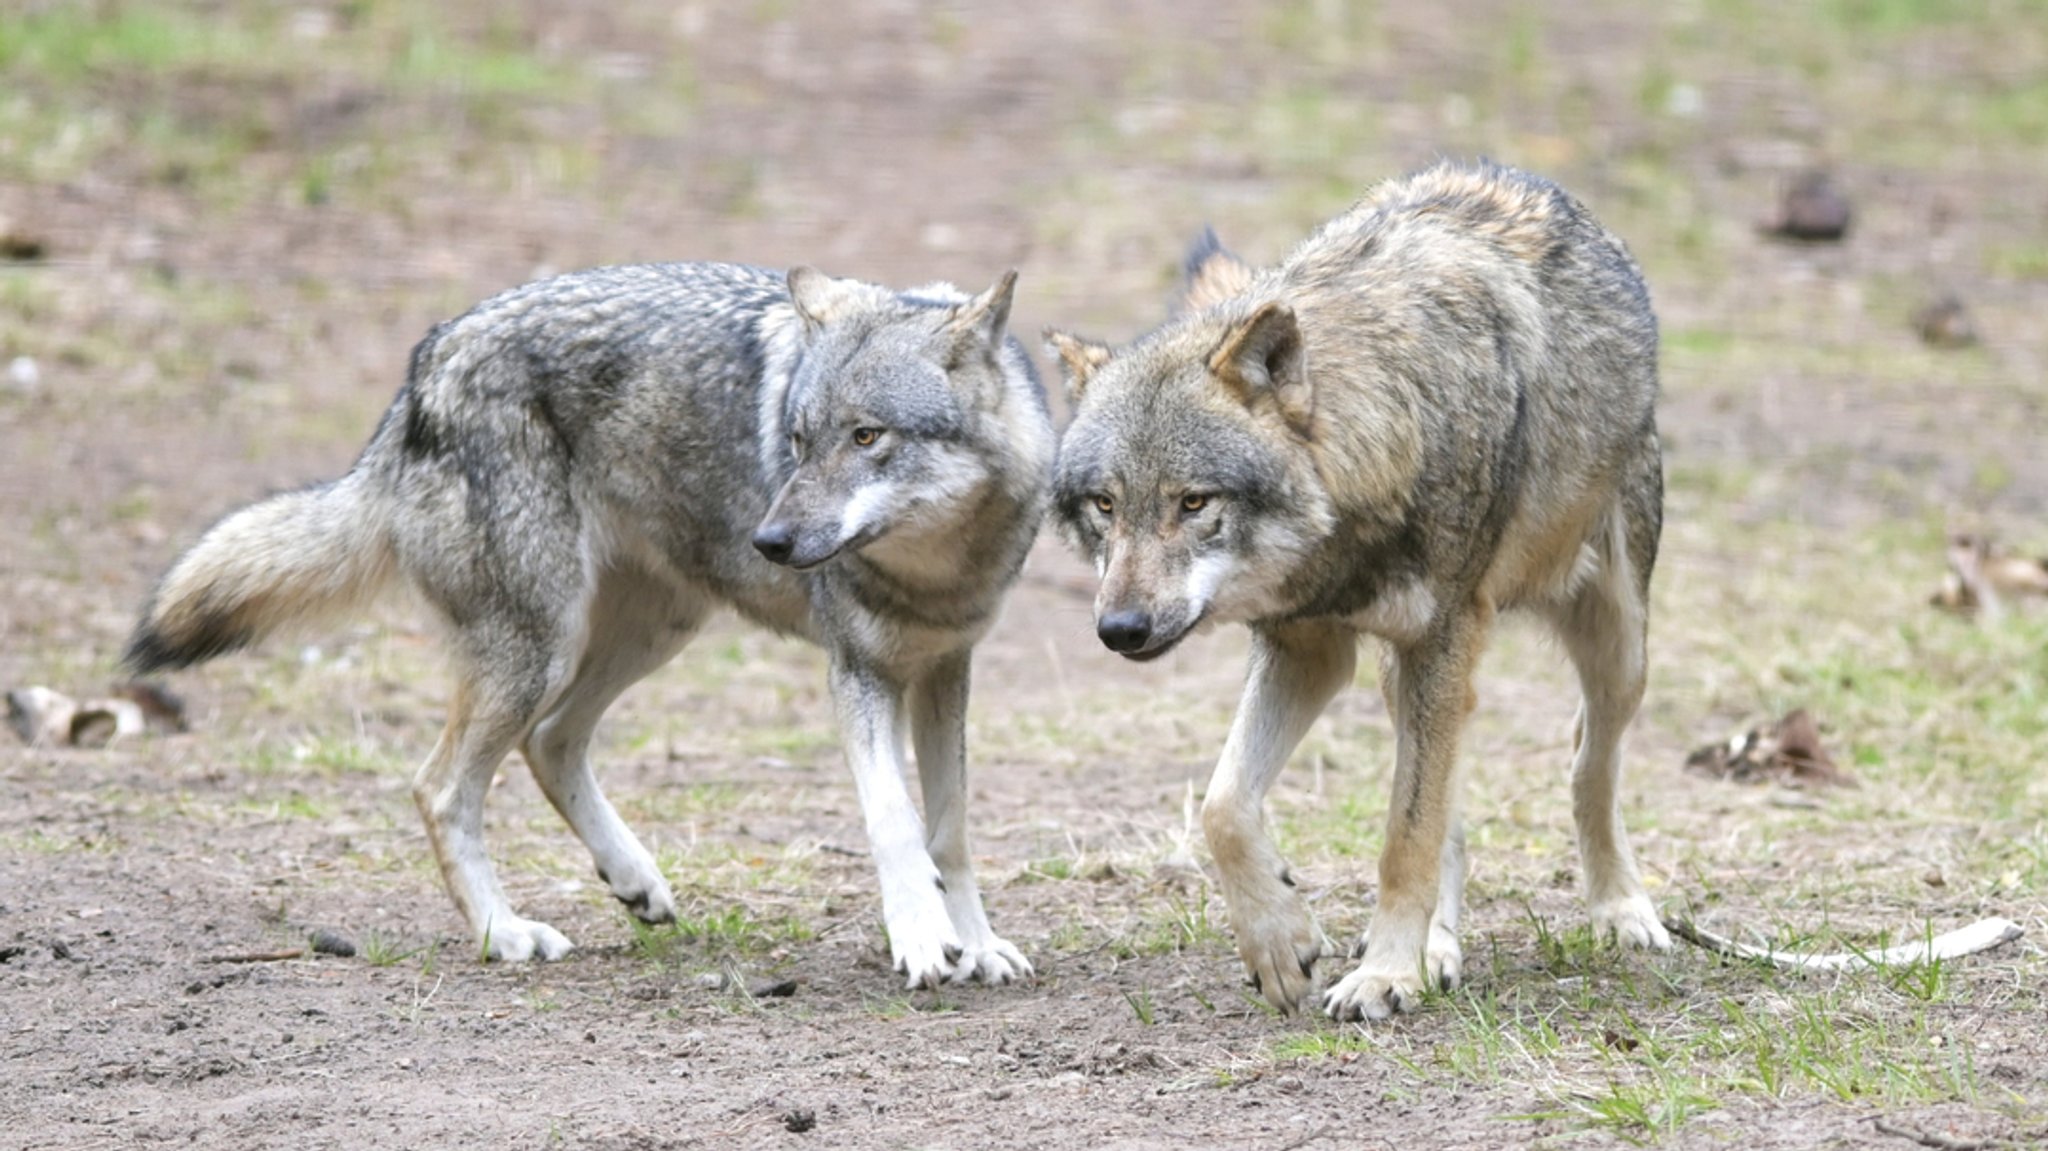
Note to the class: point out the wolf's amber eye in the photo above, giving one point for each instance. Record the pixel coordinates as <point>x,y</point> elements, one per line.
<point>1192,502</point>
<point>866,437</point>
<point>1105,505</point>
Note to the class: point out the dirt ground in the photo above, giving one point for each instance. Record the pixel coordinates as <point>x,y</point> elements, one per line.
<point>226,223</point>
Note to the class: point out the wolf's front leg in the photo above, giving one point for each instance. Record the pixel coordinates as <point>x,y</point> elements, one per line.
<point>1411,946</point>
<point>871,709</point>
<point>1294,673</point>
<point>938,724</point>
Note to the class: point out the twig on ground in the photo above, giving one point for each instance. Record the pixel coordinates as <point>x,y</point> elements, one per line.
<point>1982,935</point>
<point>259,956</point>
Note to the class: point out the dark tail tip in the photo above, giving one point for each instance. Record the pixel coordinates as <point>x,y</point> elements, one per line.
<point>150,650</point>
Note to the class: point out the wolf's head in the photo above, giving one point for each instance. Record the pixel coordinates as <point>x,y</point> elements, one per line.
<point>1187,475</point>
<point>883,417</point>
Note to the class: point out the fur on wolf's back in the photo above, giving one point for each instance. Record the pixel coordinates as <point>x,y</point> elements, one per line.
<point>584,392</point>
<point>1472,328</point>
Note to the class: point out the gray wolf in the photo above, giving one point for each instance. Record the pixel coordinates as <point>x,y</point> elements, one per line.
<point>578,472</point>
<point>1439,407</point>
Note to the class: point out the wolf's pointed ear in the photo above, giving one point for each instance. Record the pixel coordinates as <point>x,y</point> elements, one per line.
<point>1261,359</point>
<point>817,296</point>
<point>1211,274</point>
<point>1079,358</point>
<point>987,316</point>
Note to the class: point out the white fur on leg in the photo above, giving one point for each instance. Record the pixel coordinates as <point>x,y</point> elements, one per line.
<point>1394,975</point>
<point>871,718</point>
<point>922,939</point>
<point>1631,921</point>
<point>984,955</point>
<point>938,727</point>
<point>510,939</point>
<point>1443,956</point>
<point>451,801</point>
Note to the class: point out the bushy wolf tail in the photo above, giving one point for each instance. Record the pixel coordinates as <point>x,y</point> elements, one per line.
<point>303,556</point>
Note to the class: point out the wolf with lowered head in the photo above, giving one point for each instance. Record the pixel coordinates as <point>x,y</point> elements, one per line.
<point>1439,407</point>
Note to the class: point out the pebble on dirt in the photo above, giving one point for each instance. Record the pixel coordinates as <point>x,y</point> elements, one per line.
<point>20,246</point>
<point>1944,322</point>
<point>1812,208</point>
<point>800,1119</point>
<point>327,942</point>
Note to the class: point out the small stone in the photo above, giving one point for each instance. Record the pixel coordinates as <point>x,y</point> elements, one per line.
<point>16,245</point>
<point>327,942</point>
<point>1944,322</point>
<point>780,989</point>
<point>24,375</point>
<point>1813,208</point>
<point>799,1119</point>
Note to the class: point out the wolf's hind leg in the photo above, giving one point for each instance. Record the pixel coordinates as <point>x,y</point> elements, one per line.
<point>637,622</point>
<point>1604,628</point>
<point>490,712</point>
<point>938,725</point>
<point>1294,673</point>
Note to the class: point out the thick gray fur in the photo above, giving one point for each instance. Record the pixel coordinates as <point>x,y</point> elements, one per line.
<point>579,471</point>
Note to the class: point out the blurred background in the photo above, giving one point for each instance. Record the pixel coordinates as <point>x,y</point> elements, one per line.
<point>257,207</point>
<point>223,224</point>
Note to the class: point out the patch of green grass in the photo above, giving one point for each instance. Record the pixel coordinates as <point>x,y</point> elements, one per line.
<point>380,950</point>
<point>727,931</point>
<point>904,1005</point>
<point>320,754</point>
<point>1141,1005</point>
<point>2019,261</point>
<point>70,42</point>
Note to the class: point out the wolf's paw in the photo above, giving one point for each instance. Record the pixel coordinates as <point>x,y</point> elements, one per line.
<point>1444,955</point>
<point>1631,921</point>
<point>991,960</point>
<point>1403,961</point>
<point>511,939</point>
<point>1443,958</point>
<point>1373,992</point>
<point>923,946</point>
<point>647,896</point>
<point>1279,944</point>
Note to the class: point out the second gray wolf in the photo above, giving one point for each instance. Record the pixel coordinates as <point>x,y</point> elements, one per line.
<point>1439,407</point>
<point>577,473</point>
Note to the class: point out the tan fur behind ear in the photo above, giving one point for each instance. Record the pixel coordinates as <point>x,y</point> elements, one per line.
<point>1212,274</point>
<point>1079,359</point>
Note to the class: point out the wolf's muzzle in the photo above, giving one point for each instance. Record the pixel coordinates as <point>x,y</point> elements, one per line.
<point>1125,632</point>
<point>776,541</point>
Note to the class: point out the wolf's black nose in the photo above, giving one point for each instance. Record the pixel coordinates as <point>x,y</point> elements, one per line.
<point>776,541</point>
<point>1124,631</point>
